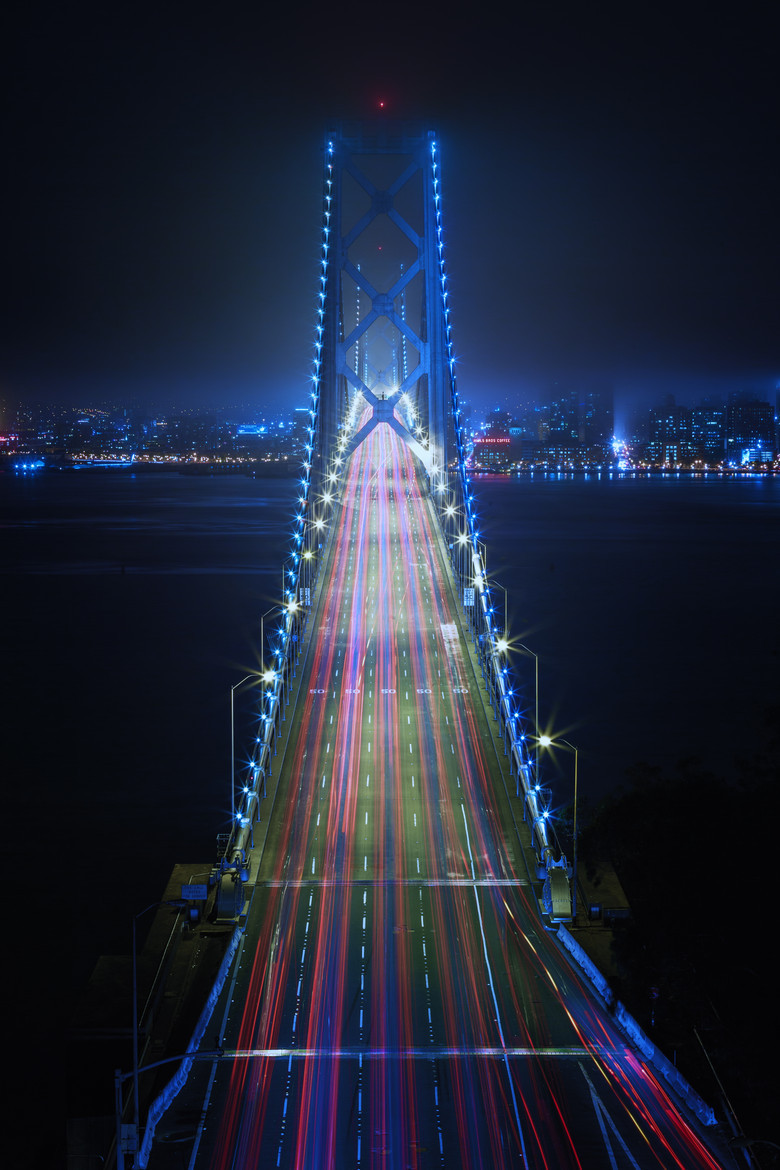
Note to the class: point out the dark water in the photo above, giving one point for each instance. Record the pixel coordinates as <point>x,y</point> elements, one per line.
<point>654,607</point>
<point>131,605</point>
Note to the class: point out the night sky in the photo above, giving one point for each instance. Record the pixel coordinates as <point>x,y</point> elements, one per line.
<point>611,186</point>
<point>610,176</point>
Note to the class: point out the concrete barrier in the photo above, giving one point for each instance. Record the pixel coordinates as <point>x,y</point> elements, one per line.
<point>636,1035</point>
<point>163,1100</point>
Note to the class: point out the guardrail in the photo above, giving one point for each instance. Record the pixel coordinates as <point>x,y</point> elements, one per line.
<point>469,570</point>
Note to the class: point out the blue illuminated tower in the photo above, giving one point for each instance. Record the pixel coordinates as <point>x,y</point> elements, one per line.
<point>385,319</point>
<point>384,355</point>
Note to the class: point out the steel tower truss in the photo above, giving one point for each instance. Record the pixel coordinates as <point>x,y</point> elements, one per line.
<point>384,322</point>
<point>384,343</point>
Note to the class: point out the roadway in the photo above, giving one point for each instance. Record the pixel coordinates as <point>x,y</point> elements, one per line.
<point>398,997</point>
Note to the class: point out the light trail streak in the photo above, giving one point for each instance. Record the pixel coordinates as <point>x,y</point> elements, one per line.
<point>403,1006</point>
<point>394,1052</point>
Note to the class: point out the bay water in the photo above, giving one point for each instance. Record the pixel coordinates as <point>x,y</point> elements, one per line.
<point>132,604</point>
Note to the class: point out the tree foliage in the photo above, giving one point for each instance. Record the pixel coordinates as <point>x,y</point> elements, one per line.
<point>697,856</point>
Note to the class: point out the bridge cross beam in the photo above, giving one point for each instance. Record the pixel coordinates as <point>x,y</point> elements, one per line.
<point>384,412</point>
<point>384,301</point>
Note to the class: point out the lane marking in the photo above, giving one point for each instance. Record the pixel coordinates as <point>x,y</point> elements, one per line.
<point>493,992</point>
<point>390,883</point>
<point>602,1115</point>
<point>443,1051</point>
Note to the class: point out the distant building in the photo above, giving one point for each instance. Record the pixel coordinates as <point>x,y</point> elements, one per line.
<point>670,433</point>
<point>563,422</point>
<point>750,430</point>
<point>497,422</point>
<point>578,425</point>
<point>493,446</point>
<point>556,453</point>
<point>708,431</point>
<point>492,452</point>
<point>573,428</point>
<point>597,420</point>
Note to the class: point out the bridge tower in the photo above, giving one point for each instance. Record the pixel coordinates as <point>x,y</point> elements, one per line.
<point>384,344</point>
<point>383,293</point>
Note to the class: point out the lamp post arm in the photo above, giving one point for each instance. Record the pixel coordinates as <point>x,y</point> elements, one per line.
<point>535,656</point>
<point>574,749</point>
<point>233,689</point>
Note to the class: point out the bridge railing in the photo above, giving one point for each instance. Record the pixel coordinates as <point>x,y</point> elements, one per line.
<point>454,495</point>
<point>452,491</point>
<point>486,624</point>
<point>299,573</point>
<point>286,642</point>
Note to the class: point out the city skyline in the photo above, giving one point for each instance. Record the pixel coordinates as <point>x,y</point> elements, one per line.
<point>568,429</point>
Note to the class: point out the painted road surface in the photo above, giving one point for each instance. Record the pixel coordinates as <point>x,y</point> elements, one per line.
<point>397,996</point>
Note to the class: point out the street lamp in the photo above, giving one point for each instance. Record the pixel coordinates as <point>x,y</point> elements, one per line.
<point>312,548</point>
<point>269,678</point>
<point>506,606</point>
<point>535,657</point>
<point>481,552</point>
<point>463,540</point>
<point>479,570</point>
<point>547,741</point>
<point>280,670</point>
<point>502,648</point>
<point>450,513</point>
<point>263,616</point>
<point>293,609</point>
<point>500,643</point>
<point>233,690</point>
<point>477,575</point>
<point>307,558</point>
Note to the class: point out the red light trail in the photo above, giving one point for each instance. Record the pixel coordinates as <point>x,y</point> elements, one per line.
<point>399,1002</point>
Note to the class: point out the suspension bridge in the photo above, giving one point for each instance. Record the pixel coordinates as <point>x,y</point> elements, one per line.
<point>396,993</point>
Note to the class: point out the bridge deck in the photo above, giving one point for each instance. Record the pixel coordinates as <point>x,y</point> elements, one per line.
<point>397,998</point>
